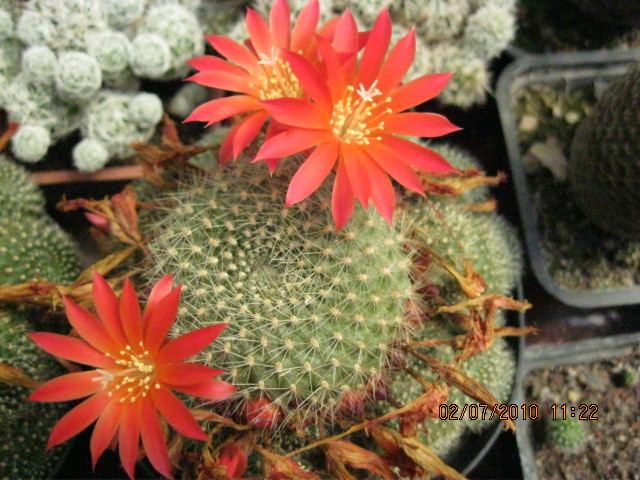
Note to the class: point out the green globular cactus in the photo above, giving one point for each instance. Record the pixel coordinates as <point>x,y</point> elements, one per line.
<point>35,248</point>
<point>25,426</point>
<point>604,166</point>
<point>312,313</point>
<point>460,36</point>
<point>18,194</point>
<point>455,233</point>
<point>569,435</point>
<point>494,368</point>
<point>58,59</point>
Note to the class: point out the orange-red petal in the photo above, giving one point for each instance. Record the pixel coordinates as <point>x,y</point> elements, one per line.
<point>305,26</point>
<point>130,313</point>
<point>292,141</point>
<point>107,307</point>
<point>280,23</point>
<point>186,373</point>
<point>129,436</point>
<point>161,320</point>
<point>153,441</point>
<point>71,349</point>
<point>398,62</point>
<point>221,108</point>
<point>222,80</point>
<point>417,155</point>
<point>396,166</point>
<point>234,52</point>
<point>346,42</point>
<point>211,389</point>
<point>383,195</point>
<point>419,124</point>
<point>259,33</point>
<point>375,50</point>
<point>247,131</point>
<point>77,419</point>
<point>312,172</point>
<point>176,414</point>
<point>105,430</point>
<point>298,113</point>
<point>418,91</point>
<point>68,387</point>
<point>161,289</point>
<point>88,327</point>
<point>343,198</point>
<point>210,62</point>
<point>189,344</point>
<point>357,172</point>
<point>310,78</point>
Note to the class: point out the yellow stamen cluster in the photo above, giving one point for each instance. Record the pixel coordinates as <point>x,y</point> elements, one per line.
<point>135,379</point>
<point>278,80</point>
<point>353,118</point>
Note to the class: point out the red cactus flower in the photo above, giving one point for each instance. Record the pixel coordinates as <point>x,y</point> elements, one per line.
<point>257,73</point>
<point>262,413</point>
<point>136,368</point>
<point>353,120</point>
<point>235,458</point>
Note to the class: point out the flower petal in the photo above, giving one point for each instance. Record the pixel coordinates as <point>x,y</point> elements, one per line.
<point>234,52</point>
<point>343,198</point>
<point>210,62</point>
<point>305,26</point>
<point>161,320</point>
<point>130,313</point>
<point>310,78</point>
<point>247,131</point>
<point>221,80</point>
<point>419,124</point>
<point>259,33</point>
<point>291,141</point>
<point>418,91</point>
<point>383,195</point>
<point>189,344</point>
<point>176,413</point>
<point>398,62</point>
<point>226,148</point>
<point>153,441</point>
<point>335,74</point>
<point>211,390</point>
<point>129,436</point>
<point>345,41</point>
<point>396,166</point>
<point>186,373</point>
<point>105,429</point>
<point>161,289</point>
<point>280,23</point>
<point>298,113</point>
<point>68,387</point>
<point>375,50</point>
<point>357,172</point>
<point>88,327</point>
<point>417,155</point>
<point>70,348</point>
<point>78,418</point>
<point>221,108</point>
<point>107,307</point>
<point>312,172</point>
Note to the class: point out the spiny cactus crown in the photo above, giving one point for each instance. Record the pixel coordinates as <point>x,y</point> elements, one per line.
<point>312,313</point>
<point>567,434</point>
<point>18,194</point>
<point>25,425</point>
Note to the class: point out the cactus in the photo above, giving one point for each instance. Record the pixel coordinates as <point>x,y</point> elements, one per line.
<point>459,36</point>
<point>35,248</point>
<point>59,60</point>
<point>18,194</point>
<point>569,435</point>
<point>604,167</point>
<point>26,426</point>
<point>312,314</point>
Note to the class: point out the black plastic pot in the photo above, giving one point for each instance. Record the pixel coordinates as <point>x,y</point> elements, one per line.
<point>541,357</point>
<point>558,69</point>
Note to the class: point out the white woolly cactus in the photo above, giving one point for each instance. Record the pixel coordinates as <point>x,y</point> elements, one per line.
<point>312,314</point>
<point>459,36</point>
<point>59,57</point>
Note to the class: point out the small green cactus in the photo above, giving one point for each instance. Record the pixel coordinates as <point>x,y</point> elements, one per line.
<point>35,247</point>
<point>18,194</point>
<point>312,313</point>
<point>25,425</point>
<point>569,435</point>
